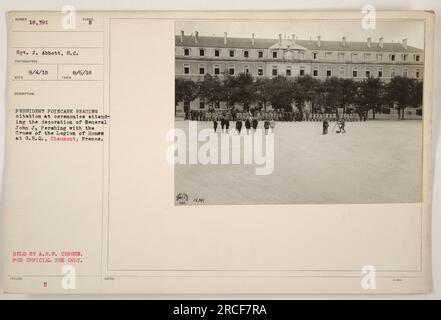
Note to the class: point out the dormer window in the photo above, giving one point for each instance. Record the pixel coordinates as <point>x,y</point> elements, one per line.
<point>392,57</point>
<point>231,53</point>
<point>315,55</point>
<point>246,54</point>
<point>260,54</point>
<point>404,57</point>
<point>186,52</point>
<point>275,54</point>
<point>201,52</point>
<point>417,57</point>
<point>217,53</point>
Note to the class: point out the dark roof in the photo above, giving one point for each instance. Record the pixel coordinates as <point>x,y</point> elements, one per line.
<point>218,42</point>
<point>356,46</point>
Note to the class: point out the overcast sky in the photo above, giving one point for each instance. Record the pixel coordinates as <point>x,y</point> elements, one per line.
<point>392,31</point>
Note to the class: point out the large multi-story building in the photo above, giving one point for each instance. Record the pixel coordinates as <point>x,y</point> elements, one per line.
<point>198,55</point>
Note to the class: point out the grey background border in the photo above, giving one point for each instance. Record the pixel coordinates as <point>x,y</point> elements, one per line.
<point>343,5</point>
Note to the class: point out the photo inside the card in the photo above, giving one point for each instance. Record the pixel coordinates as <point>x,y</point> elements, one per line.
<point>298,112</point>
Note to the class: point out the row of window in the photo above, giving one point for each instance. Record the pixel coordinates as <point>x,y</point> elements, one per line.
<point>315,55</point>
<point>231,53</point>
<point>378,57</point>
<point>217,70</point>
<point>288,71</point>
<point>367,73</point>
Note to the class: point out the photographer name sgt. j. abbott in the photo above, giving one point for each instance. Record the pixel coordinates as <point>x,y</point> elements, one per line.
<point>258,148</point>
<point>221,309</point>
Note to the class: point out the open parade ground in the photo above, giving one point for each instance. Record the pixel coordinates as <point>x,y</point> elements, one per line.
<point>377,161</point>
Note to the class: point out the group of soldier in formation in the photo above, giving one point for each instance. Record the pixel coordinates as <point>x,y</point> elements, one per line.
<point>251,119</point>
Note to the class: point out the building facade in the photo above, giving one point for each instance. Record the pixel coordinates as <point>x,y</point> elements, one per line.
<point>197,55</point>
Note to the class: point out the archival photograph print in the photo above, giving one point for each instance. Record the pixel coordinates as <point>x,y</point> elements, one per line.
<point>298,112</point>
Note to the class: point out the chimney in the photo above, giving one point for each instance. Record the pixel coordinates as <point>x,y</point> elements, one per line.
<point>196,37</point>
<point>405,43</point>
<point>182,36</point>
<point>369,42</point>
<point>381,42</point>
<point>225,38</point>
<point>280,39</point>
<point>319,41</point>
<point>293,39</point>
<point>343,41</point>
<point>252,39</point>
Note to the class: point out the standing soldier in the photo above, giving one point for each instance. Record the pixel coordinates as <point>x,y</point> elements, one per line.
<point>266,125</point>
<point>214,124</point>
<point>255,123</point>
<point>248,124</point>
<point>227,122</point>
<point>341,125</point>
<point>187,111</point>
<point>325,126</point>
<point>272,125</point>
<point>222,121</point>
<point>238,125</point>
